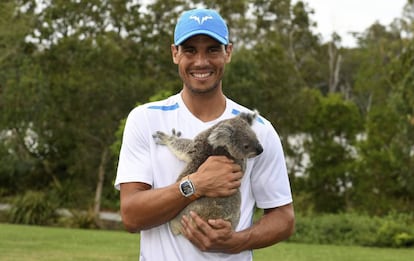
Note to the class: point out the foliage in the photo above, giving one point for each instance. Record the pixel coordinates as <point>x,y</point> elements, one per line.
<point>331,125</point>
<point>393,230</point>
<point>116,146</point>
<point>386,153</point>
<point>70,71</point>
<point>79,219</point>
<point>33,208</point>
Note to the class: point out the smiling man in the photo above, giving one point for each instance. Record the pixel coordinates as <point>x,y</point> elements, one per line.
<point>147,173</point>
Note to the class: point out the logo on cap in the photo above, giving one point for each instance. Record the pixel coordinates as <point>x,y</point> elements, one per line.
<point>202,20</point>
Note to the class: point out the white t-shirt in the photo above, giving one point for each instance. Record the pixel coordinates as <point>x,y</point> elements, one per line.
<point>265,182</point>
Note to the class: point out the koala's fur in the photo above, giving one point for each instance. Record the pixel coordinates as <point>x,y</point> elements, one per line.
<point>233,138</point>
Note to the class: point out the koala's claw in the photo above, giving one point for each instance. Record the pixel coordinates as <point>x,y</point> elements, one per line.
<point>163,139</point>
<point>176,133</point>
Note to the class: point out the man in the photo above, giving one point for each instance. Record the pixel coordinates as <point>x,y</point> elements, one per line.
<point>147,172</point>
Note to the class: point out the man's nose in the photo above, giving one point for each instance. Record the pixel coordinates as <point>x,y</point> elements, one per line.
<point>201,59</point>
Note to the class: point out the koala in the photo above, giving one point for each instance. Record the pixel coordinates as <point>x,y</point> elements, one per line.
<point>233,138</point>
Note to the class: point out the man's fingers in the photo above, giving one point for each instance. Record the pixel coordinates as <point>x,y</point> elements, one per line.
<point>218,223</point>
<point>200,224</point>
<point>190,231</point>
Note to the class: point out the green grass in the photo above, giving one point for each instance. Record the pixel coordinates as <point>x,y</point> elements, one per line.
<point>306,252</point>
<point>31,243</point>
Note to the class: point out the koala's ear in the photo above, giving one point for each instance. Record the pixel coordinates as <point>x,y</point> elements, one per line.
<point>249,117</point>
<point>219,136</point>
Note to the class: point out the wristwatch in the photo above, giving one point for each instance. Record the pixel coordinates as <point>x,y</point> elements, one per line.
<point>187,188</point>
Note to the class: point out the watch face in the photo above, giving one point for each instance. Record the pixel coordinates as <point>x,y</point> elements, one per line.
<point>187,188</point>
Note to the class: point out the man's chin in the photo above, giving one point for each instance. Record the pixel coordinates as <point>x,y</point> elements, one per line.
<point>203,90</point>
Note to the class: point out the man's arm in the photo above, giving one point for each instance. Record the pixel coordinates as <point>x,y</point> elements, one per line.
<point>277,224</point>
<point>143,207</point>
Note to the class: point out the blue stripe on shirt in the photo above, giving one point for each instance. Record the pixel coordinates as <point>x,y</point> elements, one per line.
<point>164,108</point>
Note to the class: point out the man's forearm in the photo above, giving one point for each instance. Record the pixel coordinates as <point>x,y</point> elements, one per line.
<point>145,208</point>
<point>274,226</point>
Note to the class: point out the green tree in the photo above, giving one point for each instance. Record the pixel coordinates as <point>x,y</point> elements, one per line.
<point>17,152</point>
<point>387,151</point>
<point>331,129</point>
<point>64,101</point>
<point>380,92</point>
<point>372,83</point>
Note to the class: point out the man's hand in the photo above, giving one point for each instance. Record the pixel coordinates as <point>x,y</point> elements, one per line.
<point>217,235</point>
<point>214,235</point>
<point>218,176</point>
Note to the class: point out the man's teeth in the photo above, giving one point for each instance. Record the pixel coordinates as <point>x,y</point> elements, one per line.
<point>201,75</point>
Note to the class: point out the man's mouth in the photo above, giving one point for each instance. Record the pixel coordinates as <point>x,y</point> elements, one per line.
<point>201,75</point>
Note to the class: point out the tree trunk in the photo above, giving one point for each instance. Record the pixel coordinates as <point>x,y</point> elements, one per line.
<point>99,186</point>
<point>335,61</point>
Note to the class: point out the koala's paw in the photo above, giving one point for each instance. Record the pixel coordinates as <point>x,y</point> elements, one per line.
<point>161,138</point>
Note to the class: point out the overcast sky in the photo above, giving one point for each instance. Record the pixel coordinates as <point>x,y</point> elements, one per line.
<point>343,16</point>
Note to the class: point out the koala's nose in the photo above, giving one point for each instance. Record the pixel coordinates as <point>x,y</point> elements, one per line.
<point>259,148</point>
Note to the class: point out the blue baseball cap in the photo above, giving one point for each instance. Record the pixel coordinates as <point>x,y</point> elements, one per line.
<point>201,21</point>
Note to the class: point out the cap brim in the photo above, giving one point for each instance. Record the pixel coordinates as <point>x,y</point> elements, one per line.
<point>196,32</point>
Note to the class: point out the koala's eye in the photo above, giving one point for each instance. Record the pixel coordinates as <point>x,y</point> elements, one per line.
<point>246,146</point>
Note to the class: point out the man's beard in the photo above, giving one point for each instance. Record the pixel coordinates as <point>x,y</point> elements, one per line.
<point>203,91</point>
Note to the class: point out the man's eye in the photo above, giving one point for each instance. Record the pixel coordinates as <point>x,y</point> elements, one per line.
<point>189,50</point>
<point>214,50</point>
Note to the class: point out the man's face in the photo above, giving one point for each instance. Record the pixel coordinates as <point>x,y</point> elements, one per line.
<point>201,61</point>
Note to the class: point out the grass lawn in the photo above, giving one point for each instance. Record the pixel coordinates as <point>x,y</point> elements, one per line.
<point>44,243</point>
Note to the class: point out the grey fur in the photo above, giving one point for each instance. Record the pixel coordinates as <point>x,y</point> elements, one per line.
<point>233,138</point>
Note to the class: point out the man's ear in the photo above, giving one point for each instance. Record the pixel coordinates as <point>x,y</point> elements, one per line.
<point>229,51</point>
<point>174,53</point>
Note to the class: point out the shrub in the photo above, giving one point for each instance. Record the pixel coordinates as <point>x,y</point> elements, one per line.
<point>395,231</point>
<point>79,219</point>
<point>355,229</point>
<point>33,208</point>
<point>403,240</point>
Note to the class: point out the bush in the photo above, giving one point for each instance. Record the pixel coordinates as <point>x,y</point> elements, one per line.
<point>33,208</point>
<point>403,240</point>
<point>394,230</point>
<point>79,219</point>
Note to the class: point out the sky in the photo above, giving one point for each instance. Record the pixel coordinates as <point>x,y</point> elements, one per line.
<point>343,16</point>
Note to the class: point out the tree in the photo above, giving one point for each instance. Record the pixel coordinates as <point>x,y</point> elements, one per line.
<point>378,47</point>
<point>332,127</point>
<point>387,151</point>
<point>17,150</point>
<point>67,99</point>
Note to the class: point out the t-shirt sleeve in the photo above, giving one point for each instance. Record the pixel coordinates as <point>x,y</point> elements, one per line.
<point>134,157</point>
<point>270,181</point>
